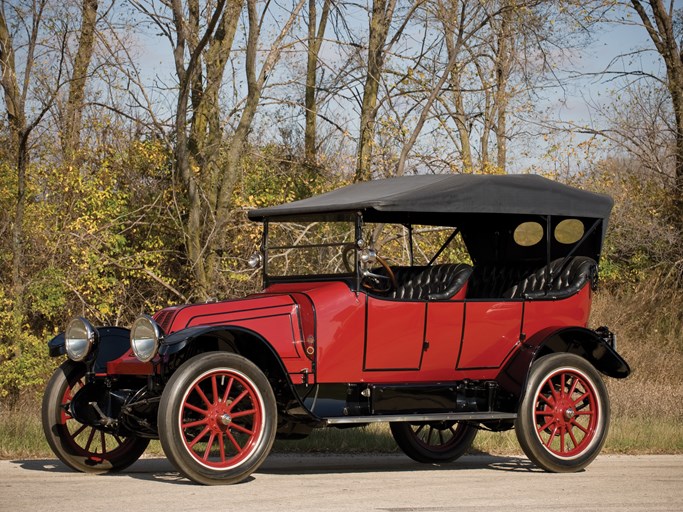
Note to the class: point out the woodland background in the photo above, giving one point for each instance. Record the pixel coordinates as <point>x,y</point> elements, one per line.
<point>125,176</point>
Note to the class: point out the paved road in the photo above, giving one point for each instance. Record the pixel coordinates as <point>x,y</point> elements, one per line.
<point>385,483</point>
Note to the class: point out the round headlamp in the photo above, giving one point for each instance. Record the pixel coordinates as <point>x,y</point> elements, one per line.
<point>80,339</point>
<point>144,338</point>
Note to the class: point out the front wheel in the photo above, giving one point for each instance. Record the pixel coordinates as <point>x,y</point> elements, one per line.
<point>217,418</point>
<point>563,419</point>
<point>439,441</point>
<point>82,447</point>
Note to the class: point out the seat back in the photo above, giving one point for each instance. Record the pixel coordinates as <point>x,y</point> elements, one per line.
<point>530,282</point>
<point>436,282</point>
<point>565,280</point>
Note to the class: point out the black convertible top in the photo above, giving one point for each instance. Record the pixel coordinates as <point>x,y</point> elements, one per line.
<point>434,199</point>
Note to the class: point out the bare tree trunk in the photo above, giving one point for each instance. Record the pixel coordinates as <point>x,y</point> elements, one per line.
<point>452,20</point>
<point>255,86</point>
<point>186,76</point>
<point>315,39</point>
<point>503,66</point>
<point>74,106</point>
<point>382,14</point>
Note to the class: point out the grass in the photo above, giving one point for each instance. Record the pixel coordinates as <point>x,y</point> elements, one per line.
<point>21,437</point>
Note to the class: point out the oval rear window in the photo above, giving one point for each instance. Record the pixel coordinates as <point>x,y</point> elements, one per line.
<point>569,231</point>
<point>528,234</point>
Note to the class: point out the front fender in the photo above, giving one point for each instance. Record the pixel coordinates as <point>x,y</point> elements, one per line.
<point>113,342</point>
<point>575,340</point>
<point>175,342</point>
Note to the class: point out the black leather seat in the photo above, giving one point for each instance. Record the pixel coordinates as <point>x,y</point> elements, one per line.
<point>436,282</point>
<point>564,282</point>
<point>522,281</point>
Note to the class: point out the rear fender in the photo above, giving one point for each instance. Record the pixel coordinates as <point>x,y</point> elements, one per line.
<point>574,340</point>
<point>113,343</point>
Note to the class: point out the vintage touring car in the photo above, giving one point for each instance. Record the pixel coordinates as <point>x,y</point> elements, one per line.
<point>440,304</point>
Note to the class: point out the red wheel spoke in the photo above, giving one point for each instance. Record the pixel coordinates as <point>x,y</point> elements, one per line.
<point>544,412</point>
<point>547,425</point>
<point>562,433</point>
<point>547,399</point>
<point>199,437</point>
<point>195,408</point>
<point>227,390</point>
<point>580,427</point>
<point>419,429</point>
<point>118,440</point>
<point>207,452</point>
<point>429,435</point>
<point>202,395</point>
<point>581,398</point>
<point>238,399</point>
<point>571,435</point>
<point>563,383</point>
<point>553,391</point>
<point>575,382</point>
<point>191,424</point>
<point>441,437</point>
<point>584,413</point>
<point>233,441</point>
<point>103,441</point>
<point>243,413</point>
<point>552,436</point>
<point>242,429</point>
<point>221,446</point>
<point>214,390</point>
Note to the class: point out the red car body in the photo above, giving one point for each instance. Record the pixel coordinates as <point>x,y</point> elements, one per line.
<point>441,349</point>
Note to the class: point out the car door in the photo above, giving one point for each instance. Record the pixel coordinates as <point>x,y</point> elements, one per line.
<point>394,334</point>
<point>492,330</point>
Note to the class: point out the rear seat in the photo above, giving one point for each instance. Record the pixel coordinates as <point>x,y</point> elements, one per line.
<point>436,282</point>
<point>512,282</point>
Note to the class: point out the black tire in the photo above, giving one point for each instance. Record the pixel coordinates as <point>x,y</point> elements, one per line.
<point>428,442</point>
<point>81,447</point>
<point>217,418</point>
<point>563,420</point>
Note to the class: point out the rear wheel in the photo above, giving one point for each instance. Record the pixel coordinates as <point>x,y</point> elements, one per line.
<point>82,447</point>
<point>217,418</point>
<point>439,441</point>
<point>563,419</point>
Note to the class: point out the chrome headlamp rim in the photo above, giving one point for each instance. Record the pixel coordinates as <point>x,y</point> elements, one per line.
<point>80,338</point>
<point>145,336</point>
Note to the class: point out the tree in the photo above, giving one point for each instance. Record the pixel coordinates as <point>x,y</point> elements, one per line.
<point>33,94</point>
<point>659,23</point>
<point>73,113</point>
<point>207,160</point>
<point>315,39</point>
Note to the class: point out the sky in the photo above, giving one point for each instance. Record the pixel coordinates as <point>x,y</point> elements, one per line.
<point>570,104</point>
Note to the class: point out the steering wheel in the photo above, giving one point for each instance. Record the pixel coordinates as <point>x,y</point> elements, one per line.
<point>347,254</point>
<point>377,282</point>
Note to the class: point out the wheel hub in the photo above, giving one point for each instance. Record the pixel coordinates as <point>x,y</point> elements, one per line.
<point>225,419</point>
<point>569,413</point>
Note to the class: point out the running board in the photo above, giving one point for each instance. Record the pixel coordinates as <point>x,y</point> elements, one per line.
<point>452,416</point>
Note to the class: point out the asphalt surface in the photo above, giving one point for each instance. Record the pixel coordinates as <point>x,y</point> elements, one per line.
<point>390,483</point>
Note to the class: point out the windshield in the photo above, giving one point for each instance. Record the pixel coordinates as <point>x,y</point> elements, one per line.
<point>330,248</point>
<point>315,248</point>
